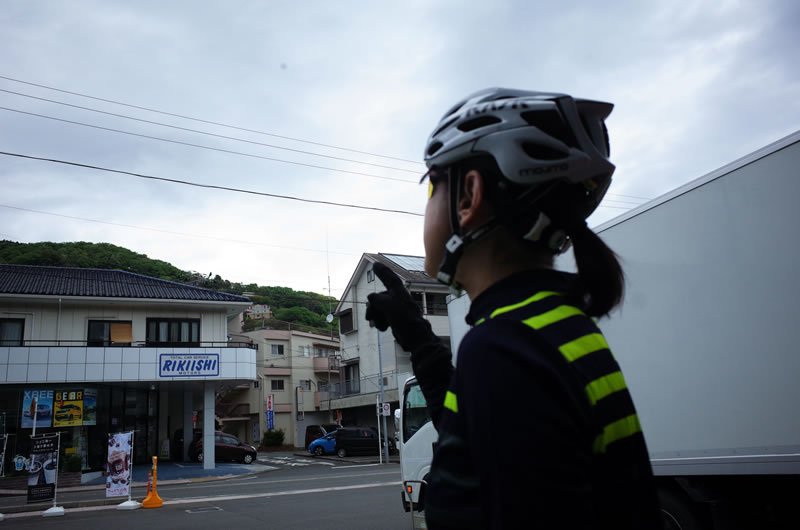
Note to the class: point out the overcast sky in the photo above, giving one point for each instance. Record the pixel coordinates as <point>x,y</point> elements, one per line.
<point>696,85</point>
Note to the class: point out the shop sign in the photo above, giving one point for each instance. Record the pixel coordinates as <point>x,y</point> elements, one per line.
<point>118,466</point>
<point>43,468</point>
<point>188,365</point>
<point>68,408</point>
<point>38,403</point>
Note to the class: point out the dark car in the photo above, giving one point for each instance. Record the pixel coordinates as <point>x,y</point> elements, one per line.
<point>318,431</point>
<point>356,440</point>
<point>176,444</point>
<point>227,447</point>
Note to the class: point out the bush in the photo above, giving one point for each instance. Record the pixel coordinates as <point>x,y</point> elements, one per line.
<point>273,438</point>
<point>72,463</point>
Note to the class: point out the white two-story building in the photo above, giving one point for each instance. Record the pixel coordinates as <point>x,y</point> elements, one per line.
<point>369,356</point>
<point>105,351</point>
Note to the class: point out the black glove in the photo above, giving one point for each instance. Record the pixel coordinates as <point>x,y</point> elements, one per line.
<point>395,308</point>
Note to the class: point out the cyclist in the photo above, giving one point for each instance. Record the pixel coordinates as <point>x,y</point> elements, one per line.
<point>536,426</point>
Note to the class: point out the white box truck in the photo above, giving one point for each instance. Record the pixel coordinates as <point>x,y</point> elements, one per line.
<point>706,339</point>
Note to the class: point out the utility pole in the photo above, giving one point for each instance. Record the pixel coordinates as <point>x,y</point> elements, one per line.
<point>380,378</point>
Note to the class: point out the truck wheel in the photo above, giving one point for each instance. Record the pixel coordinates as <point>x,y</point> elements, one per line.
<point>318,450</point>
<point>677,513</point>
<point>341,452</point>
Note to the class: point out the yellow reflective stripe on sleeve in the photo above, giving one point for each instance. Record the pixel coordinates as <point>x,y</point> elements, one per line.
<point>618,430</point>
<point>535,298</point>
<point>552,316</point>
<point>583,346</point>
<point>604,386</point>
<point>450,402</point>
<point>480,321</point>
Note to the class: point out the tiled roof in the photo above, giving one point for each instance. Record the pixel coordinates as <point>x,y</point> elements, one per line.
<point>408,268</point>
<point>68,281</point>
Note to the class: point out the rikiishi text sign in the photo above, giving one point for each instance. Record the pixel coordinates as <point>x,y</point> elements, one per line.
<point>188,365</point>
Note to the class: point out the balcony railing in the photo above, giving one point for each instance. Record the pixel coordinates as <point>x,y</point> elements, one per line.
<point>365,385</point>
<point>138,344</point>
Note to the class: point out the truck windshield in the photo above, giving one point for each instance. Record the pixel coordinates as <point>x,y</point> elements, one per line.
<point>415,411</point>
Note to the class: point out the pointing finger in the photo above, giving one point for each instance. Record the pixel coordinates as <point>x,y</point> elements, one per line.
<point>389,278</point>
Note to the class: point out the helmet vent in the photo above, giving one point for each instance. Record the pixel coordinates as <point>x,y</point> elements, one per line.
<point>550,123</point>
<point>454,109</point>
<point>435,146</point>
<point>543,152</point>
<point>477,123</point>
<point>445,126</point>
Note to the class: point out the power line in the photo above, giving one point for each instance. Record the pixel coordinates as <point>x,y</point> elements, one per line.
<point>210,186</point>
<point>206,147</point>
<point>205,121</point>
<point>205,132</point>
<point>224,125</point>
<point>183,234</point>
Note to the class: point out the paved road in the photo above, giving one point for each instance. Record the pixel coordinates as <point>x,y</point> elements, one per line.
<point>300,493</point>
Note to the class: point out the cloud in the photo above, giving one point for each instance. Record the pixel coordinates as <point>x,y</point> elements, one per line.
<point>695,86</point>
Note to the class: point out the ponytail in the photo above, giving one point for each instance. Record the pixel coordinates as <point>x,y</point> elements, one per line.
<point>602,281</point>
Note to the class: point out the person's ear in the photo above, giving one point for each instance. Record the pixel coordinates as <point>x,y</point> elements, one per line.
<point>472,207</point>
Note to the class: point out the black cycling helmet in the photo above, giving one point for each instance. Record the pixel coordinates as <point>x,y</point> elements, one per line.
<point>550,148</point>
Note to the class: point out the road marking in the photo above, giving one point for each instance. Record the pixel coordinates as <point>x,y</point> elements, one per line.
<point>357,465</point>
<point>221,498</point>
<point>306,479</point>
<point>205,509</point>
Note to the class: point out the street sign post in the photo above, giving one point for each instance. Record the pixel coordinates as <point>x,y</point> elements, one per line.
<point>270,413</point>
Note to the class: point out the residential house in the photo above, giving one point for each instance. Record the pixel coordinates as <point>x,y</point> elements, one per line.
<point>293,368</point>
<point>106,351</point>
<point>370,357</point>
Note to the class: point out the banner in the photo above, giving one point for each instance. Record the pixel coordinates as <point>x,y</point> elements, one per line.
<point>3,456</point>
<point>38,403</point>
<point>118,466</point>
<point>90,406</point>
<point>43,468</point>
<point>68,408</point>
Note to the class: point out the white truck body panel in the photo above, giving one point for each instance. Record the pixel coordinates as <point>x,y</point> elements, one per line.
<point>705,336</point>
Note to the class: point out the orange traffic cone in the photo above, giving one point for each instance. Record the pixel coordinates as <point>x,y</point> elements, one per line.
<point>153,500</point>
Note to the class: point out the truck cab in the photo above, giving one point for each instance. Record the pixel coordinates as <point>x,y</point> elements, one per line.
<point>416,440</point>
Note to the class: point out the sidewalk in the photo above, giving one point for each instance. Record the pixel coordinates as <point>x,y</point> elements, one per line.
<point>12,501</point>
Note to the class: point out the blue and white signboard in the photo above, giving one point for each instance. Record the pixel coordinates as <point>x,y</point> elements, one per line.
<point>188,365</point>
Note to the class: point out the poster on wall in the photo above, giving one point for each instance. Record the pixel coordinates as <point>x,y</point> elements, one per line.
<point>90,406</point>
<point>38,403</point>
<point>118,466</point>
<point>43,468</point>
<point>68,408</point>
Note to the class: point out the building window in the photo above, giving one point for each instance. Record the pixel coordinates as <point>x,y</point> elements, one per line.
<point>277,385</point>
<point>306,351</point>
<point>173,331</point>
<point>346,321</point>
<point>109,332</point>
<point>11,331</point>
<point>437,303</point>
<point>370,276</point>
<point>417,297</point>
<point>305,384</point>
<point>277,349</point>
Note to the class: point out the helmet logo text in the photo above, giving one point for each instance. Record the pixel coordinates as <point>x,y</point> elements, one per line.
<point>541,170</point>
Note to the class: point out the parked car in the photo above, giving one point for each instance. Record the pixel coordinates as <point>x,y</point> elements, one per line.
<point>323,446</point>
<point>176,444</point>
<point>227,447</point>
<point>318,431</point>
<point>356,440</point>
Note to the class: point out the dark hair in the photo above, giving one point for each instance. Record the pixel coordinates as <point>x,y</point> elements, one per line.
<point>601,284</point>
<point>602,281</point>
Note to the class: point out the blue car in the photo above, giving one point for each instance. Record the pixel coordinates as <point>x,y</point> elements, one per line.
<point>323,446</point>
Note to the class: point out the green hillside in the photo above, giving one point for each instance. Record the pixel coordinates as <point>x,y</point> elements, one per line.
<point>301,308</point>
